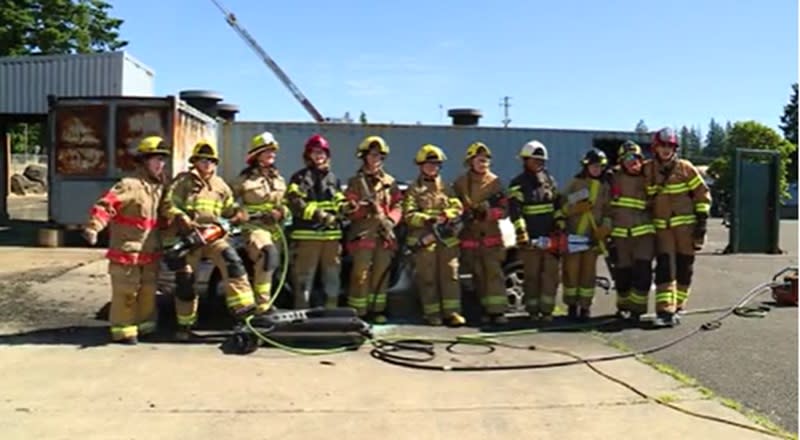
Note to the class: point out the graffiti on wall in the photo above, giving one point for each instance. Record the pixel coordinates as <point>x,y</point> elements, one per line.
<point>80,140</point>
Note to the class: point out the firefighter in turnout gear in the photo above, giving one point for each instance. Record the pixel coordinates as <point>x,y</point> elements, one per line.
<point>316,203</point>
<point>375,209</point>
<point>632,232</point>
<point>430,203</point>
<point>198,198</point>
<point>482,250</point>
<point>586,210</point>
<point>535,210</point>
<point>260,189</point>
<point>681,203</point>
<point>130,211</point>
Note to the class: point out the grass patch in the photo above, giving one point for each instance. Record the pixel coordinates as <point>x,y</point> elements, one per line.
<point>667,398</point>
<point>689,381</point>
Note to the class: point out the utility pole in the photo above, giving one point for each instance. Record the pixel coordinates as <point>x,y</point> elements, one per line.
<point>505,104</point>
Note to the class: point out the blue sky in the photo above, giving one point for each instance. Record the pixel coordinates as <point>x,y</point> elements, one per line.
<point>570,64</point>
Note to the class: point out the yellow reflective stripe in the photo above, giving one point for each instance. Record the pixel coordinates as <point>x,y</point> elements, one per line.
<point>338,200</point>
<point>702,207</point>
<point>451,242</point>
<point>665,296</point>
<point>585,293</point>
<point>495,300</point>
<point>294,188</point>
<point>452,212</point>
<point>430,309</point>
<point>316,235</point>
<point>212,206</point>
<point>635,231</point>
<point>570,291</point>
<point>310,209</point>
<point>515,192</point>
<point>681,295</point>
<point>629,202</point>
<point>228,202</point>
<point>262,288</point>
<point>257,208</point>
<point>651,190</point>
<point>378,298</point>
<point>123,331</point>
<point>694,183</point>
<point>356,303</point>
<point>635,298</point>
<point>675,188</point>
<point>538,208</point>
<point>326,204</point>
<point>451,304</point>
<point>417,218</point>
<point>519,224</point>
<point>678,220</point>
<point>187,320</point>
<point>146,327</point>
<point>583,223</point>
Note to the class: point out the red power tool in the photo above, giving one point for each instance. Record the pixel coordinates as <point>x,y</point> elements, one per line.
<point>785,294</point>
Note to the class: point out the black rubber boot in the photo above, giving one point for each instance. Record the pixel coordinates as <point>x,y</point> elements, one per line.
<point>665,320</point>
<point>572,313</point>
<point>584,314</point>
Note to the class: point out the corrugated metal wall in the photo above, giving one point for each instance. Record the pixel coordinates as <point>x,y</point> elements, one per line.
<point>25,82</point>
<point>566,147</point>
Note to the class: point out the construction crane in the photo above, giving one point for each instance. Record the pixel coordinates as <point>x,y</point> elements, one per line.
<point>231,19</point>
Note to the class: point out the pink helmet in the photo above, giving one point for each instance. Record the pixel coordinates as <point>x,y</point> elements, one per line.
<point>665,136</point>
<point>316,141</point>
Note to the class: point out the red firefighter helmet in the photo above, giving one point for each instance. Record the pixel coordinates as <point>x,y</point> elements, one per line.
<point>316,141</point>
<point>665,136</point>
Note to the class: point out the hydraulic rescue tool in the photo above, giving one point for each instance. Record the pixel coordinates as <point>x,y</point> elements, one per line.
<point>198,237</point>
<point>315,326</point>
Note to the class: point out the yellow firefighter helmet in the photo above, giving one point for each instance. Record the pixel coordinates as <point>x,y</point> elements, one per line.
<point>370,142</point>
<point>152,145</point>
<point>430,153</point>
<point>204,149</point>
<point>476,148</point>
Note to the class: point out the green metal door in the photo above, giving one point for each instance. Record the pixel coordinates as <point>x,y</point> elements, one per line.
<point>755,221</point>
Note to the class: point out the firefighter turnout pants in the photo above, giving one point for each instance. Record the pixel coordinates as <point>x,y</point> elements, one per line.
<point>133,299</point>
<point>265,254</point>
<point>486,266</point>
<point>578,275</point>
<point>371,262</point>
<point>541,280</point>
<point>238,295</point>
<point>633,272</point>
<point>674,267</point>
<point>308,256</point>
<point>436,271</point>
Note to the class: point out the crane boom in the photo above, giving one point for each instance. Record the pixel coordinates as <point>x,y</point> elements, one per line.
<point>231,19</point>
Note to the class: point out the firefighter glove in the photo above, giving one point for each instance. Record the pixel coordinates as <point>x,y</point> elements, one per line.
<point>329,220</point>
<point>522,238</point>
<point>277,214</point>
<point>602,232</point>
<point>239,217</point>
<point>184,222</point>
<point>700,229</point>
<point>580,208</point>
<point>90,235</point>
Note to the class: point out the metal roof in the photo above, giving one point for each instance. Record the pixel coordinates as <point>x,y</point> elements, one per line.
<point>26,81</point>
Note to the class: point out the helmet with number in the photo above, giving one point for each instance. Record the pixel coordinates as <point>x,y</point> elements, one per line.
<point>594,156</point>
<point>204,150</point>
<point>316,141</point>
<point>533,150</point>
<point>629,149</point>
<point>152,145</point>
<point>429,153</point>
<point>665,136</point>
<point>475,149</point>
<point>260,143</point>
<point>371,142</point>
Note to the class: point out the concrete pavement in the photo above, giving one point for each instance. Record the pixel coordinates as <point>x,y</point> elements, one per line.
<point>68,384</point>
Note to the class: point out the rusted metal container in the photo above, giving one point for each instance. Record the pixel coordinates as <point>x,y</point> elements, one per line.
<point>92,142</point>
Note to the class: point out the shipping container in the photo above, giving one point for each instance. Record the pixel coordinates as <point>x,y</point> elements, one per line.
<point>566,147</point>
<point>92,141</point>
<point>25,82</point>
